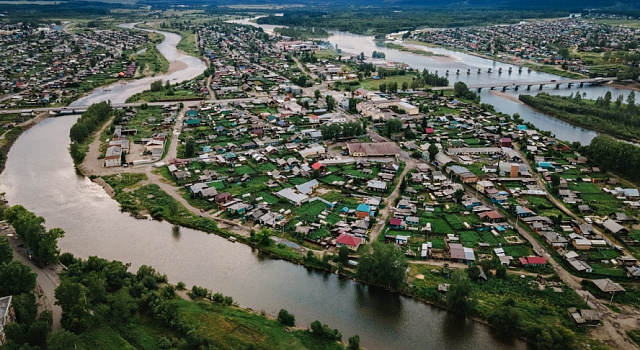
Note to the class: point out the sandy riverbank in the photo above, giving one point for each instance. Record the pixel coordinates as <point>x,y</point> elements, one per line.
<point>507,96</point>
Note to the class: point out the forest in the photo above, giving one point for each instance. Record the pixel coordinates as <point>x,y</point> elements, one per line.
<point>619,157</point>
<point>612,117</point>
<point>380,21</point>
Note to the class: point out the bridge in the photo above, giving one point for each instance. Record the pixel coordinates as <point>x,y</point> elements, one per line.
<point>516,85</point>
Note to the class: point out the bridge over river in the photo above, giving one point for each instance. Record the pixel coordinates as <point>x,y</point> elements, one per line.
<point>529,84</point>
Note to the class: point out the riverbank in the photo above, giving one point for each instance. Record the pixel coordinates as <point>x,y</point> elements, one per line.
<point>574,112</point>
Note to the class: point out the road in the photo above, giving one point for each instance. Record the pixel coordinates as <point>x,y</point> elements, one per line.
<point>46,281</point>
<point>383,214</point>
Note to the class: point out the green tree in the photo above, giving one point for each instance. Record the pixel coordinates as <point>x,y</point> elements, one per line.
<point>331,102</point>
<point>383,88</point>
<point>156,86</point>
<point>501,272</point>
<point>190,147</point>
<point>392,126</point>
<point>505,319</point>
<point>317,94</point>
<point>354,342</point>
<point>64,340</point>
<point>123,307</point>
<point>16,278</point>
<point>6,253</point>
<point>433,152</point>
<point>459,295</point>
<point>473,272</point>
<point>286,318</point>
<point>384,266</point>
<point>343,254</point>
<point>405,86</point>
<point>458,195</point>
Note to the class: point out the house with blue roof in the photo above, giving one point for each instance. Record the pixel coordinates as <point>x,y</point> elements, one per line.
<point>363,211</point>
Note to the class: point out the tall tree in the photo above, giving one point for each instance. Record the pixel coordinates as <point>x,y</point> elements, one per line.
<point>459,295</point>
<point>384,266</point>
<point>6,253</point>
<point>16,278</point>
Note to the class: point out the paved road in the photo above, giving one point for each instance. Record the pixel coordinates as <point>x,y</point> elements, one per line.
<point>46,281</point>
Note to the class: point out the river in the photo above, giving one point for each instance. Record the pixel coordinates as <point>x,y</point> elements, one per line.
<point>40,175</point>
<point>453,60</point>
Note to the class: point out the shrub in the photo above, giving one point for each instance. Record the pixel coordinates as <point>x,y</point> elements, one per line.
<point>286,318</point>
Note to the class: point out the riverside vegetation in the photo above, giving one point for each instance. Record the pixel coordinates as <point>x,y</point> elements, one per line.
<point>612,117</point>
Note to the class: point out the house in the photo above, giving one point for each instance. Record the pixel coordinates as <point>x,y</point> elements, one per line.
<point>533,261</point>
<point>222,197</point>
<point>397,224</point>
<point>7,315</point>
<point>606,285</point>
<point>490,216</point>
<point>460,254</point>
<point>524,212</point>
<point>307,187</point>
<point>376,185</point>
<point>402,240</point>
<point>373,149</point>
<point>615,227</point>
<point>363,211</point>
<point>292,196</point>
<point>113,156</point>
<point>319,167</point>
<point>351,242</point>
<point>582,244</point>
<point>413,220</point>
<point>505,142</point>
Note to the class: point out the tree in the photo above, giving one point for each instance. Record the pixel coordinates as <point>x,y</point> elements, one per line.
<point>64,340</point>
<point>555,182</point>
<point>343,254</point>
<point>190,147</point>
<point>123,306</point>
<point>286,318</point>
<point>433,152</point>
<point>383,88</point>
<point>506,319</point>
<point>156,86</point>
<point>6,253</point>
<point>392,126</point>
<point>317,94</point>
<point>16,278</point>
<point>458,195</point>
<point>354,342</point>
<point>70,297</point>
<point>331,102</point>
<point>473,272</point>
<point>501,271</point>
<point>459,295</point>
<point>405,86</point>
<point>385,266</point>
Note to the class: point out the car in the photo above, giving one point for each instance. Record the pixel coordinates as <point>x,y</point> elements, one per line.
<point>125,165</point>
<point>20,245</point>
<point>202,210</point>
<point>553,81</point>
<point>588,220</point>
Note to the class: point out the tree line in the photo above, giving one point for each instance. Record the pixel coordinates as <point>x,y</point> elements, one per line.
<point>86,125</point>
<point>620,157</point>
<point>338,130</point>
<point>30,228</point>
<point>613,117</point>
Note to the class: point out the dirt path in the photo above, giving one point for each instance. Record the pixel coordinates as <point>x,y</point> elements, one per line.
<point>384,213</point>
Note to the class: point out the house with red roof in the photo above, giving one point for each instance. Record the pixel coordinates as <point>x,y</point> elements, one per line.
<point>319,166</point>
<point>429,131</point>
<point>397,224</point>
<point>533,261</point>
<point>351,242</point>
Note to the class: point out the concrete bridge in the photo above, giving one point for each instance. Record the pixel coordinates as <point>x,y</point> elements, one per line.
<point>516,85</point>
